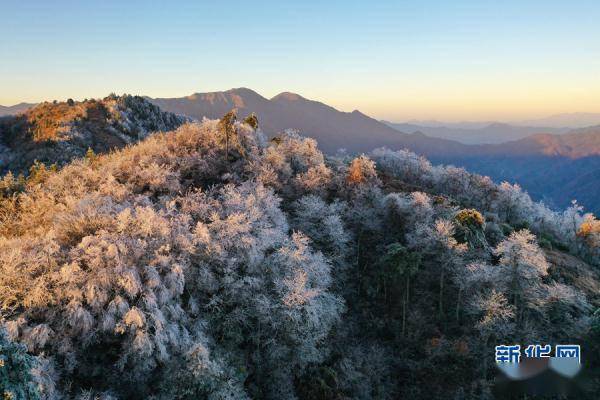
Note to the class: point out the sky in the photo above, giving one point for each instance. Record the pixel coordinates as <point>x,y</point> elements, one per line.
<point>396,60</point>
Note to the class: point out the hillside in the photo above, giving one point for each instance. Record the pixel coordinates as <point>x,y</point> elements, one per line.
<point>184,268</point>
<point>56,133</point>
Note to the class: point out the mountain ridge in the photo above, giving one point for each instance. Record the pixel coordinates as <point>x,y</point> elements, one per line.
<point>333,129</point>
<point>15,109</point>
<point>56,133</point>
<point>540,163</point>
<point>489,133</point>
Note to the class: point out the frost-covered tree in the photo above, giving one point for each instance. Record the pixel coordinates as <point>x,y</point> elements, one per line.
<point>588,235</point>
<point>399,264</point>
<point>293,165</point>
<point>525,265</point>
<point>438,242</point>
<point>361,171</point>
<point>16,377</point>
<point>252,120</point>
<point>409,210</point>
<point>470,226</point>
<point>323,224</point>
<point>406,166</point>
<point>495,322</point>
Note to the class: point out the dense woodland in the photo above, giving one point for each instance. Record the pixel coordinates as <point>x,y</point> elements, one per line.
<point>211,263</point>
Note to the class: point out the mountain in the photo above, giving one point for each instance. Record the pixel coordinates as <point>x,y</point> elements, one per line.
<point>55,133</point>
<point>16,109</point>
<point>559,121</point>
<point>577,143</point>
<point>333,129</point>
<point>460,124</point>
<point>551,167</point>
<point>495,132</point>
<point>573,120</point>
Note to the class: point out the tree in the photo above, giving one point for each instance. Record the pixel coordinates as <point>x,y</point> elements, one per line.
<point>438,241</point>
<point>409,210</point>
<point>362,171</point>
<point>588,235</point>
<point>10,185</point>
<point>323,224</point>
<point>38,172</point>
<point>16,380</point>
<point>252,120</point>
<point>90,156</point>
<point>406,166</point>
<point>470,226</point>
<point>495,313</point>
<point>228,136</point>
<point>398,263</point>
<point>525,265</point>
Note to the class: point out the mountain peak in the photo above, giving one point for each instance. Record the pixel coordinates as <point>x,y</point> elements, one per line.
<point>242,91</point>
<point>288,96</point>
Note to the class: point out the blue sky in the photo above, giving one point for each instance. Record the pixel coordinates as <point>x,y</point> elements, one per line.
<point>391,59</point>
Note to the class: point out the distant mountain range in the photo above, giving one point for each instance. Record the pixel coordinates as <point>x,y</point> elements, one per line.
<point>553,166</point>
<point>564,120</point>
<point>16,109</point>
<point>573,120</point>
<point>481,132</point>
<point>476,133</point>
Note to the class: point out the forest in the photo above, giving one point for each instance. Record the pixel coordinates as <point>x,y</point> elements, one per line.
<point>210,262</point>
